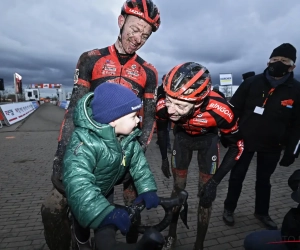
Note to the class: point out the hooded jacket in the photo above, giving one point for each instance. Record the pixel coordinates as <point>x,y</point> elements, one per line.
<point>95,160</point>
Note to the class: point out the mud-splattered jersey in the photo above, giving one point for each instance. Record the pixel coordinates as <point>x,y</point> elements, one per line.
<point>102,65</point>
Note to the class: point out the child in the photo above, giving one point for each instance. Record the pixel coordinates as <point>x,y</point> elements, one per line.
<point>102,149</point>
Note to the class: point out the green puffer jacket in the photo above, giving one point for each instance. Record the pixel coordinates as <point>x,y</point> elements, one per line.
<point>94,162</point>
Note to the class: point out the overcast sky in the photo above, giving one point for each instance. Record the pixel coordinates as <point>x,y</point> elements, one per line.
<point>42,40</point>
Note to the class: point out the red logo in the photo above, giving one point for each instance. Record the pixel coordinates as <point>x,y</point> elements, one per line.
<point>288,102</point>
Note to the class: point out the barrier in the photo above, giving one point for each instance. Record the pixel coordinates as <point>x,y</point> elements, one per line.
<point>35,104</point>
<point>64,104</point>
<point>16,112</point>
<point>1,119</point>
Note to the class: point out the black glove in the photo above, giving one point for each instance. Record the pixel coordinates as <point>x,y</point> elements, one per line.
<point>208,193</point>
<point>287,160</point>
<point>165,168</point>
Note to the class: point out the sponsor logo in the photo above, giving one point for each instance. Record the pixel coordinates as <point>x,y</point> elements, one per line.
<point>94,52</point>
<point>136,12</point>
<point>9,112</point>
<point>287,103</point>
<point>174,152</point>
<point>221,109</point>
<point>214,158</point>
<point>132,73</point>
<point>213,168</point>
<point>225,78</point>
<point>203,130</point>
<point>109,68</point>
<point>200,120</point>
<point>136,107</point>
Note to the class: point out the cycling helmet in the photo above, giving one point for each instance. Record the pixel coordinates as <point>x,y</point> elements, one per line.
<point>188,81</point>
<point>144,9</point>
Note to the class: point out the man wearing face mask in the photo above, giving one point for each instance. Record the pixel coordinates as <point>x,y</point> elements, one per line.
<point>119,64</point>
<point>268,108</point>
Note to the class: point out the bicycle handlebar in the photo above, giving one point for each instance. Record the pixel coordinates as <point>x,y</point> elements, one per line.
<point>168,204</point>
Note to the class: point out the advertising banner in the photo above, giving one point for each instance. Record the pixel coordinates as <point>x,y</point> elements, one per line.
<point>45,86</point>
<point>16,112</point>
<point>64,104</point>
<point>35,104</point>
<point>18,83</point>
<point>225,79</point>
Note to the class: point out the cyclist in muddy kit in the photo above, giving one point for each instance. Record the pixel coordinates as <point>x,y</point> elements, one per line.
<point>198,113</point>
<point>119,64</point>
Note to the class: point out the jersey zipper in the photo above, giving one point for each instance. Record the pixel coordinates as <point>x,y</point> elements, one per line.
<point>121,74</point>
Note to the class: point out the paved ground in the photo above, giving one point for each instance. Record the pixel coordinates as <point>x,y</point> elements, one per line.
<point>27,150</point>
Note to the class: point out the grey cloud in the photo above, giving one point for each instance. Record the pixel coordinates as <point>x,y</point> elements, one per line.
<point>42,40</point>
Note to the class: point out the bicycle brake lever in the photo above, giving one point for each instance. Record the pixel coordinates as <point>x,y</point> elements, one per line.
<point>134,212</point>
<point>183,214</point>
<point>183,196</point>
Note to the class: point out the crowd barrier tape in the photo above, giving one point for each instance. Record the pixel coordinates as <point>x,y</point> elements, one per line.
<point>64,104</point>
<point>16,112</point>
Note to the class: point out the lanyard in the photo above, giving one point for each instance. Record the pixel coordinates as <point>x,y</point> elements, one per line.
<point>269,94</point>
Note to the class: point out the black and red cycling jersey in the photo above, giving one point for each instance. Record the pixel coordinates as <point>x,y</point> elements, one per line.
<point>107,65</point>
<point>214,114</point>
<point>103,65</point>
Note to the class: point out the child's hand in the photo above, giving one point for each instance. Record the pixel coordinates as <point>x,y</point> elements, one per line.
<point>150,198</point>
<point>118,217</point>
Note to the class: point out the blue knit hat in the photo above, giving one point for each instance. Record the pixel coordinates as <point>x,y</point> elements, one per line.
<point>112,101</point>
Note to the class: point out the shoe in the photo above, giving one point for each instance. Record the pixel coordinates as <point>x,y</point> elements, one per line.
<point>170,243</point>
<point>267,221</point>
<point>228,217</point>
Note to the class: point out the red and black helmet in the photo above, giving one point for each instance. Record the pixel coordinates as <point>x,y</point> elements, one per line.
<point>144,9</point>
<point>188,81</point>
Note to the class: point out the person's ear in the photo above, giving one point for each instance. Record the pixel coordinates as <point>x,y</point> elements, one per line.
<point>292,68</point>
<point>113,124</point>
<point>121,21</point>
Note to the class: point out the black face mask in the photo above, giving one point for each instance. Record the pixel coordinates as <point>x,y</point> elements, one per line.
<point>278,69</point>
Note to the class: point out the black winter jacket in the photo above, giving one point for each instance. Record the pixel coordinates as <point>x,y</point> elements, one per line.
<point>279,125</point>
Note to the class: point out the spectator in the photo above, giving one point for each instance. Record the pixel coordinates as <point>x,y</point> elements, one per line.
<point>268,108</point>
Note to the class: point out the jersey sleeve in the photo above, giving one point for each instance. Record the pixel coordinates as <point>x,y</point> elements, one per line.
<point>161,111</point>
<point>222,113</point>
<point>81,87</point>
<point>149,105</point>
